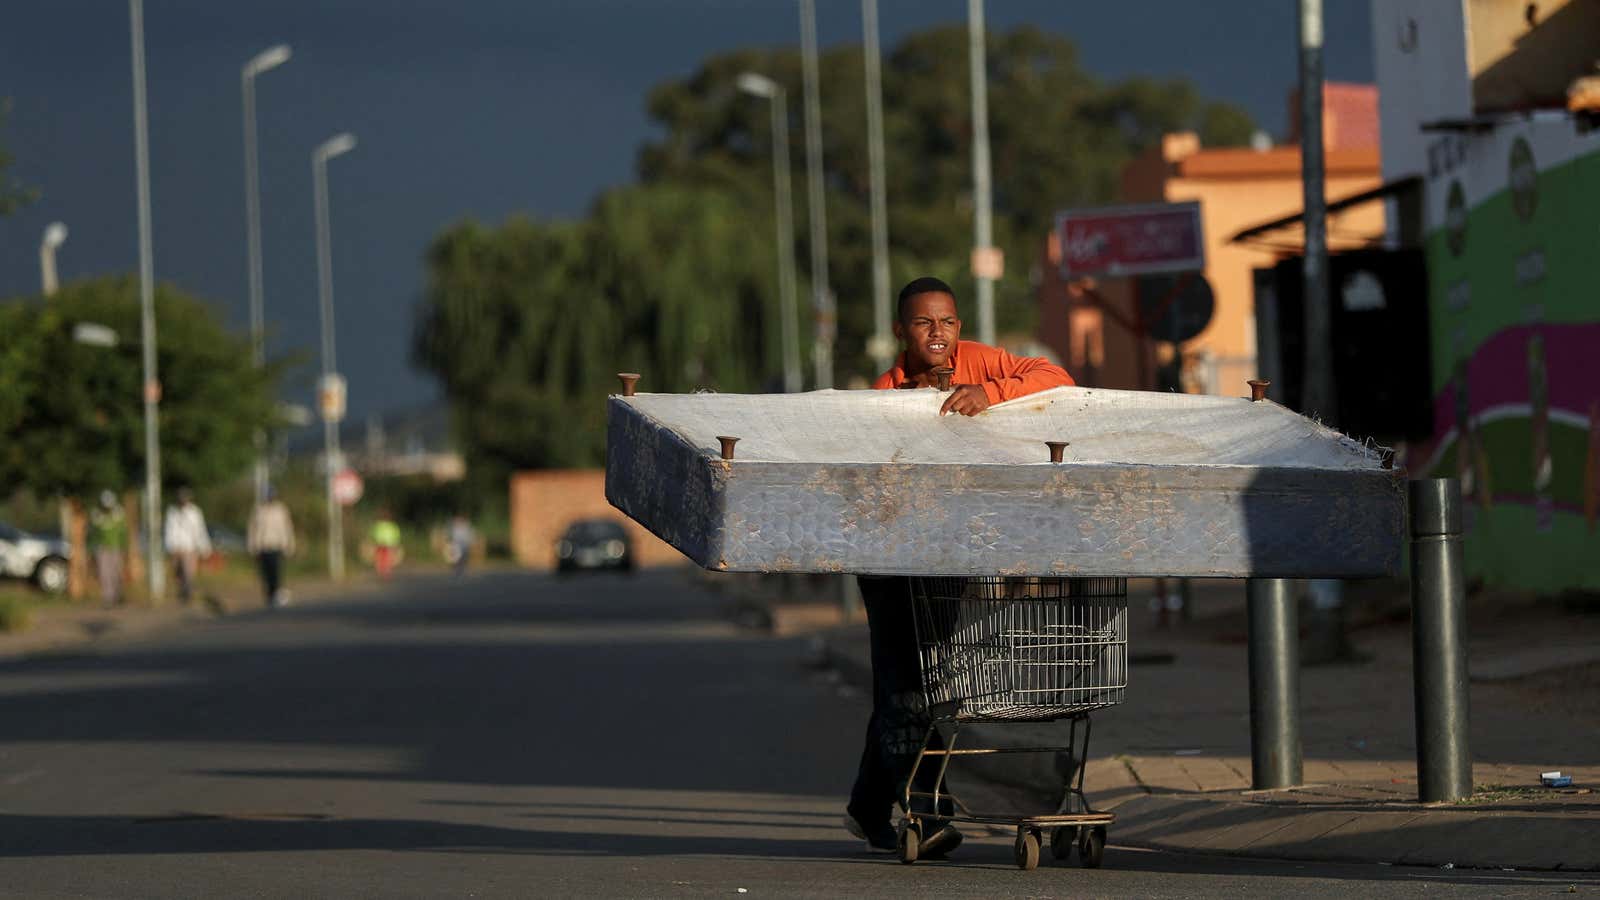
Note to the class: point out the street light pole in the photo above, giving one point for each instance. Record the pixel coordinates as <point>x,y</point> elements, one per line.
<point>55,234</point>
<point>762,86</point>
<point>334,146</point>
<point>882,340</point>
<point>983,226</point>
<point>147,312</point>
<point>266,59</point>
<point>1327,637</point>
<point>821,297</point>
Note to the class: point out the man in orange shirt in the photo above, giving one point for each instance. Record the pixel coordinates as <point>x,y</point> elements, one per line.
<point>930,330</point>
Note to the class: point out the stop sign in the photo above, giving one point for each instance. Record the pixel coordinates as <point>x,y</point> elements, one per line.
<point>347,487</point>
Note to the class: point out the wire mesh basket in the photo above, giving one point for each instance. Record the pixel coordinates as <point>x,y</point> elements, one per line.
<point>1020,648</point>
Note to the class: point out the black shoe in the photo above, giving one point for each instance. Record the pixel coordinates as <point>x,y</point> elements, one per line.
<point>940,843</point>
<point>880,835</point>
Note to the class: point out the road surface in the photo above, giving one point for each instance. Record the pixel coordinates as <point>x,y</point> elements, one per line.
<point>502,736</point>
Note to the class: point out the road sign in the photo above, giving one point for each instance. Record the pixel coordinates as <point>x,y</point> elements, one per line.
<point>347,487</point>
<point>331,396</point>
<point>1175,308</point>
<point>1131,240</point>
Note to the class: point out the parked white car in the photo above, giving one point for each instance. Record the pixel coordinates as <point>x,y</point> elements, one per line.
<point>42,560</point>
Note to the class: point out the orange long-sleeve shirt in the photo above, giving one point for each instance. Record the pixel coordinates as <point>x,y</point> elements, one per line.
<point>1003,376</point>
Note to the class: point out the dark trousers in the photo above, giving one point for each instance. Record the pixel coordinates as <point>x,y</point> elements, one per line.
<point>270,563</point>
<point>899,718</point>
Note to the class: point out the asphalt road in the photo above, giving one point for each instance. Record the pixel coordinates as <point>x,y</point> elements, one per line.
<point>505,735</point>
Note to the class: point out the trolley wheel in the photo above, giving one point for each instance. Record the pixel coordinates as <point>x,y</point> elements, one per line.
<point>1092,847</point>
<point>1026,849</point>
<point>910,842</point>
<point>1062,838</point>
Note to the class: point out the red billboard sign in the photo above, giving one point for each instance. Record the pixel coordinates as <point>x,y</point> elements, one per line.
<point>1131,240</point>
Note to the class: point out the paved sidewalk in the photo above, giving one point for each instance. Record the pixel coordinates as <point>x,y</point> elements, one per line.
<point>1174,760</point>
<point>66,625</point>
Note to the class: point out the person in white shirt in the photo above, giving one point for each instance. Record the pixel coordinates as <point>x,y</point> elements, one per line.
<point>271,537</point>
<point>187,541</point>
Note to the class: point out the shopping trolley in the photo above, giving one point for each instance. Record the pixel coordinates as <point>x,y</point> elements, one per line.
<point>1004,650</point>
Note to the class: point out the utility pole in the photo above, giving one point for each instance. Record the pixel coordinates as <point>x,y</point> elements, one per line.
<point>1318,378</point>
<point>764,87</point>
<point>1325,627</point>
<point>822,303</point>
<point>882,347</point>
<point>332,406</point>
<point>266,59</point>
<point>147,313</point>
<point>982,196</point>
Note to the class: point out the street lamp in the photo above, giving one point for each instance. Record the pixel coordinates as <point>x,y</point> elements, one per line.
<point>269,58</point>
<point>332,397</point>
<point>55,234</point>
<point>983,226</point>
<point>821,297</point>
<point>881,347</point>
<point>762,86</point>
<point>147,311</point>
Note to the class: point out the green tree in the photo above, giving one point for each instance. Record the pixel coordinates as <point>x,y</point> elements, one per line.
<point>1059,136</point>
<point>73,412</point>
<point>526,323</point>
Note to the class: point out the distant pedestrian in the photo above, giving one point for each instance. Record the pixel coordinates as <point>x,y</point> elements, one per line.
<point>385,544</point>
<point>108,534</point>
<point>187,541</point>
<point>461,538</point>
<point>270,537</point>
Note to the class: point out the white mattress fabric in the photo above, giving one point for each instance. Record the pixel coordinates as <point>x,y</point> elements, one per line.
<point>876,482</point>
<point>1100,426</point>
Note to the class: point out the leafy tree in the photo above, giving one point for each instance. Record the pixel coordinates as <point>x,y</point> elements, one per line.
<point>526,323</point>
<point>73,413</point>
<point>1059,138</point>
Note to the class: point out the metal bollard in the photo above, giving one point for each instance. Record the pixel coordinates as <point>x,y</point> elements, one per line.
<point>1438,653</point>
<point>1274,684</point>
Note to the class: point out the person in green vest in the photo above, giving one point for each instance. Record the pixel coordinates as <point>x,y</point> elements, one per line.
<point>108,534</point>
<point>385,544</point>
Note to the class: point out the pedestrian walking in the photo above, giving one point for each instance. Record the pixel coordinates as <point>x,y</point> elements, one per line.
<point>929,329</point>
<point>108,534</point>
<point>270,538</point>
<point>385,544</point>
<point>187,541</point>
<point>461,538</point>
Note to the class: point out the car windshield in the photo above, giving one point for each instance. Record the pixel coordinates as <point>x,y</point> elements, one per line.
<point>598,530</point>
<point>7,533</point>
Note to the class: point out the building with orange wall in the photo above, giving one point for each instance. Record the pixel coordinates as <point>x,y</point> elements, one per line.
<point>1237,187</point>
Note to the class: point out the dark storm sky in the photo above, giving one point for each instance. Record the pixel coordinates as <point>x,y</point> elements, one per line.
<point>471,108</point>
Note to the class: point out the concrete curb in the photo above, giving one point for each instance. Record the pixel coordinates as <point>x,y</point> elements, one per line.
<point>1274,827</point>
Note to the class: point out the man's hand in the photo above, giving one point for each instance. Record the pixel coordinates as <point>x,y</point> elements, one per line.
<point>966,399</point>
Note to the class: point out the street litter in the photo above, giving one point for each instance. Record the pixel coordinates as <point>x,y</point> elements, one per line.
<point>1448,866</point>
<point>1555,779</point>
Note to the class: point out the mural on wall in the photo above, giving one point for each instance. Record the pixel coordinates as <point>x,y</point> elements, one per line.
<point>1516,348</point>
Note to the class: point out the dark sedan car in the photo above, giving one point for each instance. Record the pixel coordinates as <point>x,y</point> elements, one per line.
<point>594,544</point>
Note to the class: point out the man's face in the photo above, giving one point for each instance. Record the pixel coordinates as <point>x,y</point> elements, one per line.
<point>929,330</point>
